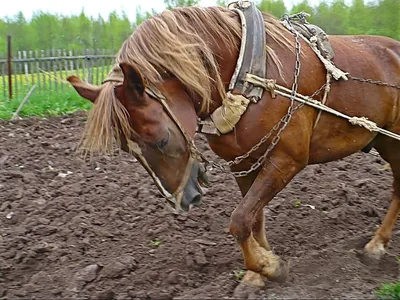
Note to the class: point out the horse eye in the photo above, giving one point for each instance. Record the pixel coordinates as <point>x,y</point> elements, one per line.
<point>162,143</point>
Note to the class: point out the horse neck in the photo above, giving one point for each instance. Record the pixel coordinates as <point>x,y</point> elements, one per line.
<point>279,39</point>
<point>226,59</point>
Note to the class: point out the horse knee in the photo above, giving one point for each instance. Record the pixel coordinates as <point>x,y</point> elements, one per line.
<point>240,226</point>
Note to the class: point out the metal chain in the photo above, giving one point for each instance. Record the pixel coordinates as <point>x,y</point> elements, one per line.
<point>377,82</point>
<point>317,92</point>
<point>284,120</point>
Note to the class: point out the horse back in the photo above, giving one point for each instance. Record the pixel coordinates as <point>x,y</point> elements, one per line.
<point>367,53</point>
<point>367,57</point>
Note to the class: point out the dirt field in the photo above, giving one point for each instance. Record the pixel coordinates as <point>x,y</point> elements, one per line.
<point>100,230</point>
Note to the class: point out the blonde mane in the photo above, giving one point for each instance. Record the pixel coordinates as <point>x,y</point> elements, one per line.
<point>173,42</point>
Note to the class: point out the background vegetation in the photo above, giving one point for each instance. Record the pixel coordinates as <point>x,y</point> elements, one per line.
<point>78,32</point>
<point>46,31</point>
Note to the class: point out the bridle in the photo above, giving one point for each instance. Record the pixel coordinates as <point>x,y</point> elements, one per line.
<point>194,154</point>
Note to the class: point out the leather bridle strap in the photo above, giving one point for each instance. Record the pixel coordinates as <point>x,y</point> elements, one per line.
<point>154,93</point>
<point>157,95</point>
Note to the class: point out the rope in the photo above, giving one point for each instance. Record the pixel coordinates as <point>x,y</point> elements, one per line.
<point>329,66</point>
<point>327,90</point>
<point>270,85</point>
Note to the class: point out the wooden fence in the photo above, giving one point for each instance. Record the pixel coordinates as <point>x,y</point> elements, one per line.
<point>48,70</point>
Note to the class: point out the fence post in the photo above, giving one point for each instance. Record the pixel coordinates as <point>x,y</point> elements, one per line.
<point>10,94</point>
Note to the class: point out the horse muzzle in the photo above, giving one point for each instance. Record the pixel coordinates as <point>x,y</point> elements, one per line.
<point>193,193</point>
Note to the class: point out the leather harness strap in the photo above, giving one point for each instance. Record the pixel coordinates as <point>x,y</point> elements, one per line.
<point>252,56</point>
<point>252,60</point>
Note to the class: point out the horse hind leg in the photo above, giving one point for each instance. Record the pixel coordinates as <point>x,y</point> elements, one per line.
<point>388,149</point>
<point>376,248</point>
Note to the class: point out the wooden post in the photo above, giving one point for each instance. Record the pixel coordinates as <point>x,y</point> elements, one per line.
<point>10,94</point>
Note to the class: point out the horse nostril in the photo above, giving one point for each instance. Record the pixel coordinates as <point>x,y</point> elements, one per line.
<point>196,200</point>
<point>202,176</point>
<point>191,197</point>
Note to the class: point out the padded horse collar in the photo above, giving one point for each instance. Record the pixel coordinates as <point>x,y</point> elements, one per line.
<point>252,55</point>
<point>251,60</point>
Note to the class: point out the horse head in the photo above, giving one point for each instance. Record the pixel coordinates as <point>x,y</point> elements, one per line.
<point>164,78</point>
<point>158,134</point>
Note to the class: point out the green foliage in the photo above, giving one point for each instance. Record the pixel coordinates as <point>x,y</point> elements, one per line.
<point>177,3</point>
<point>274,7</point>
<point>376,17</point>
<point>77,32</point>
<point>222,3</point>
<point>45,104</point>
<point>46,31</point>
<point>239,274</point>
<point>389,291</point>
<point>155,243</point>
<point>303,6</point>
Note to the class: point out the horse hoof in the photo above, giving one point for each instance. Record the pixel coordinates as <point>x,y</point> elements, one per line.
<point>281,274</point>
<point>370,257</point>
<point>245,291</point>
<point>250,284</point>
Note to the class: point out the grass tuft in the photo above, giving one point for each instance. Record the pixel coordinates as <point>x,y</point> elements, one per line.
<point>389,291</point>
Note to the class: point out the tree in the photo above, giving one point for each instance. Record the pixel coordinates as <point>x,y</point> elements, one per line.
<point>176,3</point>
<point>274,7</point>
<point>386,18</point>
<point>305,7</point>
<point>221,3</point>
<point>359,17</point>
<point>46,31</point>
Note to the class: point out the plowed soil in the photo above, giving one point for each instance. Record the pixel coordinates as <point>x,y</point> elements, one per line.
<point>100,230</point>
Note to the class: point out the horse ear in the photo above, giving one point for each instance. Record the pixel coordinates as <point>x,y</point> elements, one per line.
<point>85,90</point>
<point>133,80</point>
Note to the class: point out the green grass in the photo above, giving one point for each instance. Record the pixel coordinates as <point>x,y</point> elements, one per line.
<point>389,291</point>
<point>46,100</point>
<point>45,104</point>
<point>239,274</point>
<point>155,243</point>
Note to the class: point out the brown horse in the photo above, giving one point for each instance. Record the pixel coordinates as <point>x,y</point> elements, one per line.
<point>175,68</point>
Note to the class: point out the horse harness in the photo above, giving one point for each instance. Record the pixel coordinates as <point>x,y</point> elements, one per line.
<point>248,84</point>
<point>195,154</point>
<point>249,79</point>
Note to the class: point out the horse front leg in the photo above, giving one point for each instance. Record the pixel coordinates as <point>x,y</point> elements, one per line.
<point>252,281</point>
<point>258,227</point>
<point>257,256</point>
